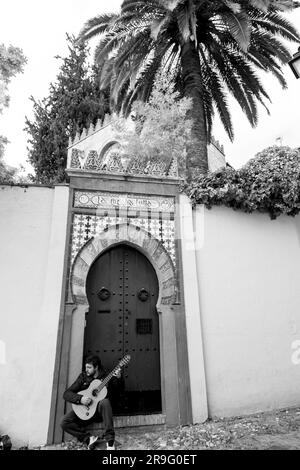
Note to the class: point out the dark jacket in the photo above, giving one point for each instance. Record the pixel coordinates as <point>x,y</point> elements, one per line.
<point>83,382</point>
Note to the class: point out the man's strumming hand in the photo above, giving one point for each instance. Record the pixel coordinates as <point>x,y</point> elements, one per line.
<point>86,401</point>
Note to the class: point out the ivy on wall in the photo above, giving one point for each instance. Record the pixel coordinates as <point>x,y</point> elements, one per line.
<point>269,183</point>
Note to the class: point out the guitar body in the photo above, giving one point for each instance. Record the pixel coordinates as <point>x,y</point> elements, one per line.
<point>87,412</point>
<point>97,391</point>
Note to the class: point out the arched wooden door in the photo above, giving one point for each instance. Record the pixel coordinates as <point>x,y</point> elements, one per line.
<point>122,290</point>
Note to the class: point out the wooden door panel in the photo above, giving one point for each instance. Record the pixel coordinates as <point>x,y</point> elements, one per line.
<point>122,290</point>
<point>142,324</point>
<point>103,333</point>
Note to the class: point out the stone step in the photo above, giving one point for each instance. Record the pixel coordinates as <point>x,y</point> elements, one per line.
<point>134,420</point>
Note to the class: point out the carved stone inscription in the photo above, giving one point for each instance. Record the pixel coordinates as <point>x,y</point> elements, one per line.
<point>116,201</point>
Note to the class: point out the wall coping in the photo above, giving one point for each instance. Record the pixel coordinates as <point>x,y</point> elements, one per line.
<point>33,185</point>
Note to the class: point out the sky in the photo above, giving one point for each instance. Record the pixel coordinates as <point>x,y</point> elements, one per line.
<point>40,29</point>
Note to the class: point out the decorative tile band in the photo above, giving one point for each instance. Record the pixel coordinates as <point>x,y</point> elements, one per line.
<point>97,200</point>
<point>87,226</point>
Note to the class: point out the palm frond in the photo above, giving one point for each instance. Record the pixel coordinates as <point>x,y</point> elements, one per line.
<point>185,18</point>
<point>249,77</point>
<point>267,43</point>
<point>172,59</point>
<point>275,23</point>
<point>235,84</point>
<point>144,84</point>
<point>139,44</point>
<point>118,37</point>
<point>209,111</point>
<point>284,5</point>
<point>97,25</point>
<point>220,101</point>
<point>213,83</point>
<point>141,6</point>
<point>122,78</point>
<point>239,27</point>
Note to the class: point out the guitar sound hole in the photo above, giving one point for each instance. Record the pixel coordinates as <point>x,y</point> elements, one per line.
<point>94,393</point>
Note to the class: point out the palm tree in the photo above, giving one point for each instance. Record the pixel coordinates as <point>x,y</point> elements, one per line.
<point>210,46</point>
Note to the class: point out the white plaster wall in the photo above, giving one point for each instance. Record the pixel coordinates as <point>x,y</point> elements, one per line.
<point>32,242</point>
<point>77,343</point>
<point>249,277</point>
<point>94,141</point>
<point>192,312</point>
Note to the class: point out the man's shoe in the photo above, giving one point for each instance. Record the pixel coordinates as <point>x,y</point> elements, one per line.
<point>91,442</point>
<point>110,447</point>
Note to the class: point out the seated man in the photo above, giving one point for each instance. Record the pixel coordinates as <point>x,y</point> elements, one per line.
<point>75,426</point>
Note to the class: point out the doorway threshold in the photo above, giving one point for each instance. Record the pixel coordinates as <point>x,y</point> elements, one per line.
<point>133,421</point>
<point>139,420</point>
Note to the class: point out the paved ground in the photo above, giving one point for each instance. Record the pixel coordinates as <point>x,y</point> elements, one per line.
<point>273,430</point>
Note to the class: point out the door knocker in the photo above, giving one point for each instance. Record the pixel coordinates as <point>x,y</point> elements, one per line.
<point>103,294</point>
<point>143,295</point>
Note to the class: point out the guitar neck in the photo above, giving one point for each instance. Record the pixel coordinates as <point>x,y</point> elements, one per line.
<point>107,379</point>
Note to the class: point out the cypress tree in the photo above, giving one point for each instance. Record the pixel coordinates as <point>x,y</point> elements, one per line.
<point>74,102</point>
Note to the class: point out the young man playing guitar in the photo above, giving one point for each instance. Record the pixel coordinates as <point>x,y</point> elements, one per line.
<point>75,426</point>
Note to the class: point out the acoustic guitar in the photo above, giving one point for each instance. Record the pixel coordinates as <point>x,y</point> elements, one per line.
<point>97,391</point>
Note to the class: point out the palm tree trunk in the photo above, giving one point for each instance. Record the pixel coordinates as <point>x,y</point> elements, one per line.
<point>197,161</point>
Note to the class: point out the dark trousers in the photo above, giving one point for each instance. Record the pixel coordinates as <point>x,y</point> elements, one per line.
<point>76,426</point>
